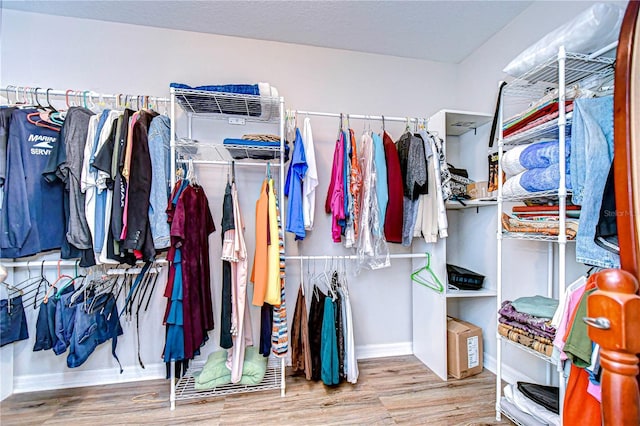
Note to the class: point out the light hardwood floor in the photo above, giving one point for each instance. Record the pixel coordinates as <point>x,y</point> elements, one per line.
<point>389,391</point>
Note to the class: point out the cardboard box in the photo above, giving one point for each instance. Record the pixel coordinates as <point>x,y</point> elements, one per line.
<point>464,348</point>
<point>477,190</point>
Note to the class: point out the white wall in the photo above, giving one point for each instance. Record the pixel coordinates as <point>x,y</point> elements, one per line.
<point>117,58</point>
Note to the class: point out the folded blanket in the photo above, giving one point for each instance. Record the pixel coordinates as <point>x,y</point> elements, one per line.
<point>536,345</point>
<point>548,226</point>
<point>534,156</point>
<point>507,310</point>
<point>536,306</point>
<point>527,330</point>
<point>534,180</point>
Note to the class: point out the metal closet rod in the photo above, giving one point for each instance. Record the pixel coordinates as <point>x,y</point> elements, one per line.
<point>227,163</point>
<point>40,91</point>
<point>37,263</point>
<point>353,256</point>
<point>359,116</point>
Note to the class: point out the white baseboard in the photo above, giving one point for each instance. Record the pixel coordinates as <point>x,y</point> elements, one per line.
<point>385,349</point>
<point>72,379</point>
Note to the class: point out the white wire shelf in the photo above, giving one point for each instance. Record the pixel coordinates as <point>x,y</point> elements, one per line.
<point>530,236</point>
<point>185,389</point>
<point>542,195</point>
<point>548,130</point>
<point>528,350</point>
<point>484,292</point>
<point>225,152</point>
<point>510,417</point>
<point>537,81</point>
<point>228,105</point>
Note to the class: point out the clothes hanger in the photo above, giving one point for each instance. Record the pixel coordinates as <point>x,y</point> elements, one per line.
<point>429,280</point>
<point>301,276</point>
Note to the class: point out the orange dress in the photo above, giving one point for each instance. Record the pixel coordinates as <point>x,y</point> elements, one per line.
<point>259,275</point>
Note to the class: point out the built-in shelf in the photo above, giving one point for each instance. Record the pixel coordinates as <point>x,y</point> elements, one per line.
<point>460,122</point>
<point>469,204</point>
<point>484,292</point>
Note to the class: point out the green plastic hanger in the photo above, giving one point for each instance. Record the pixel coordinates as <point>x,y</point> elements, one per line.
<point>430,280</point>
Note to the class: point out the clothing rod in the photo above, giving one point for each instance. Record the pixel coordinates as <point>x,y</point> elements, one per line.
<point>604,50</point>
<point>36,263</point>
<point>226,163</point>
<point>42,93</point>
<point>359,116</point>
<point>353,256</point>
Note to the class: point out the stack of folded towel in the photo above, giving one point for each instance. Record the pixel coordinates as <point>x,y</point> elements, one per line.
<point>527,321</point>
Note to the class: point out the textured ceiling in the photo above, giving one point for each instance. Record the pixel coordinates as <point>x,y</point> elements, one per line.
<point>445,31</point>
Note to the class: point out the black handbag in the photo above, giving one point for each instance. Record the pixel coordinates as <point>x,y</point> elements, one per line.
<point>547,396</point>
<point>464,279</point>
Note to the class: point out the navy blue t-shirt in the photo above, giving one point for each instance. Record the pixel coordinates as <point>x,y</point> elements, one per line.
<point>32,208</point>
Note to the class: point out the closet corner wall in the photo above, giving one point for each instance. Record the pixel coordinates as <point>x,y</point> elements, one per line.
<point>470,244</point>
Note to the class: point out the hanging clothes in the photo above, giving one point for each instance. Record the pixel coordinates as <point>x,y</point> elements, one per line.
<point>316,314</point>
<point>381,184</point>
<point>65,165</point>
<point>259,271</point>
<point>311,179</point>
<point>159,145</point>
<point>191,226</point>
<point>174,349</point>
<point>329,345</point>
<point>395,211</point>
<point>32,208</point>
<point>355,187</point>
<point>413,167</point>
<point>280,336</point>
<point>334,203</point>
<point>234,250</point>
<point>372,249</point>
<point>350,360</point>
<point>273,292</point>
<point>300,349</point>
<point>293,189</point>
<point>139,174</point>
<point>226,340</point>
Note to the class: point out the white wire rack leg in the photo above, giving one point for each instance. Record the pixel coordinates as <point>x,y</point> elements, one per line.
<point>172,398</point>
<point>282,377</point>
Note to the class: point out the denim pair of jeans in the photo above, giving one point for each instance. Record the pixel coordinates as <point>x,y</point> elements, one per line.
<point>591,157</point>
<point>159,140</point>
<point>46,323</point>
<point>96,321</point>
<point>13,321</point>
<point>64,323</point>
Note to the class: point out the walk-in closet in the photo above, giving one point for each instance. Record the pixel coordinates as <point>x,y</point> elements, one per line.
<point>289,212</point>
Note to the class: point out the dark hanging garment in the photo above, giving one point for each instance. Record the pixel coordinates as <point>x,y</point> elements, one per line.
<point>340,336</point>
<point>266,328</point>
<point>300,351</point>
<point>33,208</point>
<point>395,209</point>
<point>192,224</point>
<point>316,314</point>
<point>120,184</point>
<point>226,341</point>
<point>5,119</point>
<point>138,227</point>
<point>607,228</point>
